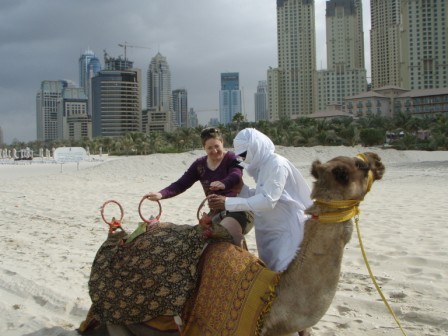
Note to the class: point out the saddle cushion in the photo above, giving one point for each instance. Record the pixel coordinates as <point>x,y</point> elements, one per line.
<point>235,291</point>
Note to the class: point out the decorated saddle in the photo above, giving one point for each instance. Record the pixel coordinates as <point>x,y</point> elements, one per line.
<point>164,273</point>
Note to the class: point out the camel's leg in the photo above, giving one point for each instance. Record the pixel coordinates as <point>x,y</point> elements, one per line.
<point>142,330</point>
<point>136,330</point>
<point>118,330</point>
<point>234,228</point>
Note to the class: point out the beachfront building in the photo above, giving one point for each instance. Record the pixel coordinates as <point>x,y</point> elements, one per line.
<point>49,110</point>
<point>229,97</point>
<point>346,73</point>
<point>180,107</point>
<point>389,101</point>
<point>61,111</point>
<point>385,47</point>
<point>158,97</point>
<point>116,99</point>
<point>77,123</point>
<point>1,136</point>
<point>261,101</point>
<point>424,40</point>
<point>295,78</point>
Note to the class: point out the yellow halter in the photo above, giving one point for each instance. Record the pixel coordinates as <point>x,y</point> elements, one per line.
<point>350,206</point>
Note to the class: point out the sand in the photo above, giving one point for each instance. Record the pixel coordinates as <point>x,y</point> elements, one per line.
<point>51,228</point>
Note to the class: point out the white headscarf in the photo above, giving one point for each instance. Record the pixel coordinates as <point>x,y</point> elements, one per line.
<point>258,146</point>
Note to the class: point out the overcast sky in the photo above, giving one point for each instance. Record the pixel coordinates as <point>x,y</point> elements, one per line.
<point>43,40</point>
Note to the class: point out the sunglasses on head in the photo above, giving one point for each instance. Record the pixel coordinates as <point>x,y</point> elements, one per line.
<point>209,131</point>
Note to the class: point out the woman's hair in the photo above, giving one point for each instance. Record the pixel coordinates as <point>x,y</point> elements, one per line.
<point>210,133</point>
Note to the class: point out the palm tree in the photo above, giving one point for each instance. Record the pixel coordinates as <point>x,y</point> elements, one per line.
<point>238,118</point>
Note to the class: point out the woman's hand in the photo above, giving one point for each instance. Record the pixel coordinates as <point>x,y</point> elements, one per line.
<point>217,185</point>
<point>216,202</point>
<point>152,196</point>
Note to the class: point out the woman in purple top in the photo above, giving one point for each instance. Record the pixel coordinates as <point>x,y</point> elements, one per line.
<point>219,173</point>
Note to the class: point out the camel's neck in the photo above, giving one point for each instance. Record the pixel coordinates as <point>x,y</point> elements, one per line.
<point>308,286</point>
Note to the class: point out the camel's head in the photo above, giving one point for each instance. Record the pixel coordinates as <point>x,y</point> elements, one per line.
<point>346,178</point>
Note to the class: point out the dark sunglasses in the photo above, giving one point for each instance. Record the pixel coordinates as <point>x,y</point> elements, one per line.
<point>243,155</point>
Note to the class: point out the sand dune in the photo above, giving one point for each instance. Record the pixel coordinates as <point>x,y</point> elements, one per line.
<point>51,229</point>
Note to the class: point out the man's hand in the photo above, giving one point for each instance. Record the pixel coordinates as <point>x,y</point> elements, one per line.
<point>216,202</point>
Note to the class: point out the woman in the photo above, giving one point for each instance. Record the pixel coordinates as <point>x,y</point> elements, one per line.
<point>278,201</point>
<point>219,173</point>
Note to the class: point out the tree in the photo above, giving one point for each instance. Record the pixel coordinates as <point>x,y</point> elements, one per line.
<point>238,118</point>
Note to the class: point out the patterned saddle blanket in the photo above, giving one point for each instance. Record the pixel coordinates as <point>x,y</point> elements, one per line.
<point>161,273</point>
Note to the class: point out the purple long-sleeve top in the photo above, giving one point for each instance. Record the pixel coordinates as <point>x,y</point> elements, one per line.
<point>228,172</point>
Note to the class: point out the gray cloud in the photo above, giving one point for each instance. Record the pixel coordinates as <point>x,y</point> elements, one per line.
<point>42,40</point>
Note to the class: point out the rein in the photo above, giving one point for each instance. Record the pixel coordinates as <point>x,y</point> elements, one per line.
<point>347,210</point>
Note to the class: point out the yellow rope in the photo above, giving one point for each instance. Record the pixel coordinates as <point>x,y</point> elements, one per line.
<point>351,211</point>
<point>373,277</point>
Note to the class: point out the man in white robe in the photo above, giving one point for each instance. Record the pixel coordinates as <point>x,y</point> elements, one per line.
<point>278,201</point>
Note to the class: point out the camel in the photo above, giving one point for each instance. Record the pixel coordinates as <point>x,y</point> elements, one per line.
<point>307,287</point>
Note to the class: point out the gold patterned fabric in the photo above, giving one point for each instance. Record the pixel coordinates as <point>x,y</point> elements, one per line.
<point>234,294</point>
<point>151,276</point>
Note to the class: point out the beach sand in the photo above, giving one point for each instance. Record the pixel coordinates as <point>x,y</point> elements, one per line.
<point>51,228</point>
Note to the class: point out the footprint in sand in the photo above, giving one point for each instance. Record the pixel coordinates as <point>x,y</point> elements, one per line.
<point>343,310</point>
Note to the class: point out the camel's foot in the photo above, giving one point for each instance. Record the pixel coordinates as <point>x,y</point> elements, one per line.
<point>306,332</point>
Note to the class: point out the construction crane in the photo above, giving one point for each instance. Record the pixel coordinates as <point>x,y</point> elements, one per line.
<point>208,110</point>
<point>126,45</point>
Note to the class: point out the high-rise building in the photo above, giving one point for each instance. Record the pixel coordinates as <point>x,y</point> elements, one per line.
<point>261,101</point>
<point>296,73</point>
<point>159,115</point>
<point>192,118</point>
<point>77,123</point>
<point>180,107</point>
<point>346,73</point>
<point>1,137</point>
<point>159,84</point>
<point>229,97</point>
<point>89,65</point>
<point>385,47</point>
<point>116,101</point>
<point>424,44</point>
<point>49,110</point>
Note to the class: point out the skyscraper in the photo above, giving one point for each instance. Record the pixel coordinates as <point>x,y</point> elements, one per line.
<point>261,101</point>
<point>159,115</point>
<point>159,84</point>
<point>229,97</point>
<point>77,124</point>
<point>89,65</point>
<point>346,73</point>
<point>424,44</point>
<point>296,74</point>
<point>385,42</point>
<point>49,110</point>
<point>116,99</point>
<point>180,107</point>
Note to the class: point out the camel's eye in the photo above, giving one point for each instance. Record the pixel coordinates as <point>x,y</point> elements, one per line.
<point>341,175</point>
<point>361,165</point>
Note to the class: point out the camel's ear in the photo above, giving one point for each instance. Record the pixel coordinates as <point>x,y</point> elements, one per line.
<point>375,165</point>
<point>315,169</point>
<point>341,174</point>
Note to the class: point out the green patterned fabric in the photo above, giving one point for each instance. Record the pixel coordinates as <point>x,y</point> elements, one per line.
<point>151,276</point>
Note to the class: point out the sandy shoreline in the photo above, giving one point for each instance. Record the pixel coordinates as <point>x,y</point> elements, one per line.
<point>51,229</point>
